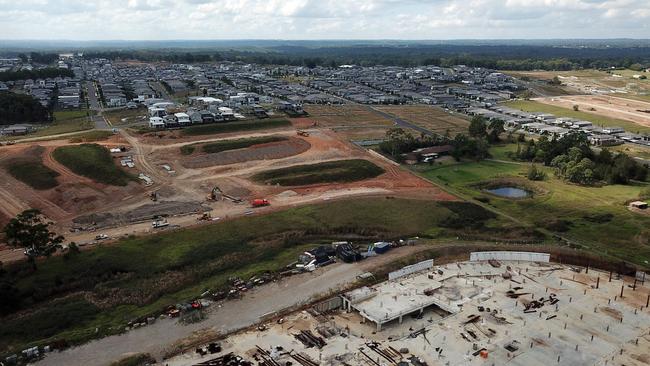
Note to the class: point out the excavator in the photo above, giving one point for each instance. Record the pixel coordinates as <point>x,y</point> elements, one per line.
<point>217,195</point>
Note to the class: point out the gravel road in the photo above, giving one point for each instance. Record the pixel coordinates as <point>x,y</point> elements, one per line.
<point>233,315</point>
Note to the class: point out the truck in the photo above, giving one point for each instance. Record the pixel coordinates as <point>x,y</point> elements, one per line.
<point>260,202</point>
<point>159,223</point>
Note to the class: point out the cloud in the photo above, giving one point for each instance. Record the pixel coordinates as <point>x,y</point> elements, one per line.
<point>321,19</point>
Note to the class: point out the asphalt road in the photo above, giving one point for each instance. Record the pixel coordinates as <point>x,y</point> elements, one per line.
<point>93,99</point>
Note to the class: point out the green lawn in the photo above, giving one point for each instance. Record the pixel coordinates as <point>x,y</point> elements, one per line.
<point>227,127</point>
<point>108,286</point>
<point>91,136</point>
<point>625,235</point>
<point>332,171</point>
<point>532,106</point>
<point>92,161</point>
<point>65,122</point>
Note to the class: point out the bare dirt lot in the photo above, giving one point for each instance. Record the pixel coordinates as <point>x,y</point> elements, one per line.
<point>609,106</point>
<point>346,115</point>
<point>272,150</point>
<point>182,184</point>
<point>431,118</point>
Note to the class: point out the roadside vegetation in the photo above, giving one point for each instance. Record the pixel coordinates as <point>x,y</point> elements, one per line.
<point>70,296</point>
<point>341,171</point>
<point>92,161</point>
<point>235,126</point>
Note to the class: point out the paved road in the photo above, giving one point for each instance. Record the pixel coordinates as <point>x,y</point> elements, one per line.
<point>93,99</point>
<point>232,315</point>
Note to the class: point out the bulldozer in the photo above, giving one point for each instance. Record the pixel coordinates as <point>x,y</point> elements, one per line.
<point>302,133</point>
<point>217,195</point>
<point>154,196</point>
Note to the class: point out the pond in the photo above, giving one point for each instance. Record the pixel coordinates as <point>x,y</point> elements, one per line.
<point>510,192</point>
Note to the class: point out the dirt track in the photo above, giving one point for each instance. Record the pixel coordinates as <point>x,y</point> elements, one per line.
<point>604,105</point>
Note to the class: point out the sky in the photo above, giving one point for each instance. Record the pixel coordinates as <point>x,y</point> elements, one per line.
<point>323,19</point>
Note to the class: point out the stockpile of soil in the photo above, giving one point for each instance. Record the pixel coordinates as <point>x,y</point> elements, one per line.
<point>273,150</point>
<point>142,213</point>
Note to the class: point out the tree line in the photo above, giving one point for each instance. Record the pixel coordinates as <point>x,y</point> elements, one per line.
<point>45,73</point>
<point>575,161</point>
<point>494,57</point>
<point>22,108</point>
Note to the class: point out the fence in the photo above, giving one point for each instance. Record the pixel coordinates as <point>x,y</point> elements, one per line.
<point>405,271</point>
<point>510,256</point>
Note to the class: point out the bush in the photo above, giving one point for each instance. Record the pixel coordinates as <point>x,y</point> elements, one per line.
<point>187,149</point>
<point>535,174</point>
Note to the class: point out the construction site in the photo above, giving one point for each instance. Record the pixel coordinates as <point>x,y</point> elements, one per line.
<point>175,188</point>
<point>496,308</point>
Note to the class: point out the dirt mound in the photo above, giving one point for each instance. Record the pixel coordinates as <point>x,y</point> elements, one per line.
<point>141,213</point>
<point>273,150</point>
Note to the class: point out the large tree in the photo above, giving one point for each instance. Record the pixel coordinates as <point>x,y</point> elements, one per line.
<point>29,230</point>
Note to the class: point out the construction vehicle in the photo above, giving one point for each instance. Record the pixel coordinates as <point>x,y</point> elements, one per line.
<point>302,133</point>
<point>217,195</point>
<point>154,196</point>
<point>157,224</point>
<point>205,217</point>
<point>260,202</point>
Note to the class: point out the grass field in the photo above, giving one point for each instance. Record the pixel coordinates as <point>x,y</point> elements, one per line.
<point>341,171</point>
<point>92,161</point>
<point>122,117</point>
<point>33,173</point>
<point>596,217</point>
<point>64,122</point>
<point>236,126</point>
<point>532,106</point>
<point>432,118</point>
<point>91,136</point>
<point>104,288</point>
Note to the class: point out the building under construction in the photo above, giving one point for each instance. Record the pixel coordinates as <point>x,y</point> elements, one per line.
<point>491,310</point>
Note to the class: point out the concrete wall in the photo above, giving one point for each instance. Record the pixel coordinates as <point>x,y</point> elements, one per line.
<point>329,304</point>
<point>510,256</point>
<point>405,271</point>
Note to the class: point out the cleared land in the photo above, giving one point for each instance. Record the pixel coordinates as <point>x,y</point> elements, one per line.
<point>92,161</point>
<point>619,82</point>
<point>239,151</point>
<point>343,171</point>
<point>235,127</point>
<point>346,115</point>
<point>609,107</point>
<point>594,217</point>
<point>431,118</point>
<point>596,119</point>
<point>126,117</point>
<point>216,147</point>
<point>106,287</point>
<point>91,136</point>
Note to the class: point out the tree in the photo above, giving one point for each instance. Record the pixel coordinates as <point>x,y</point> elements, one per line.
<point>535,174</point>
<point>30,231</point>
<point>478,127</point>
<point>496,127</point>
